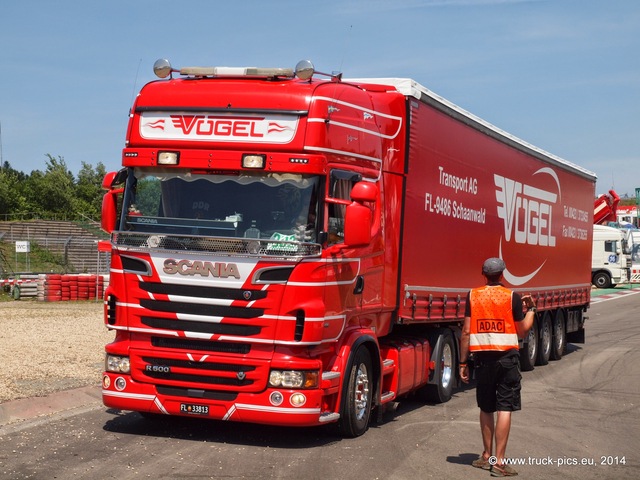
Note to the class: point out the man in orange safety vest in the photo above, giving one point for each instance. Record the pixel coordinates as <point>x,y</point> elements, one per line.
<point>494,320</point>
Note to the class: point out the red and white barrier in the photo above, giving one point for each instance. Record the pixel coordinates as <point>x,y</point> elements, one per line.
<point>57,287</point>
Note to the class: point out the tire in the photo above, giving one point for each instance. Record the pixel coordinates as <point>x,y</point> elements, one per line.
<point>545,334</point>
<point>602,280</point>
<point>529,351</point>
<point>559,342</point>
<point>443,356</point>
<point>357,396</point>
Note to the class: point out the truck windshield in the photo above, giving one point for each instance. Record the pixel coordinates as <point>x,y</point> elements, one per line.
<point>250,205</point>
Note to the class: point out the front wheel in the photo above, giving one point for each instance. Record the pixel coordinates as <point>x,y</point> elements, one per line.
<point>357,396</point>
<point>602,280</point>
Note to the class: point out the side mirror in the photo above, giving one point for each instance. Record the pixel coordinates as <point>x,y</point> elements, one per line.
<point>357,225</point>
<point>107,181</point>
<point>109,214</point>
<point>364,192</point>
<point>357,220</point>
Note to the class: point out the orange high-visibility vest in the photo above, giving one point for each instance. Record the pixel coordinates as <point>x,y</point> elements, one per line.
<point>492,326</point>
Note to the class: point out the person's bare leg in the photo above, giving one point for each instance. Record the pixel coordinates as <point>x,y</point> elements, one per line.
<point>503,426</point>
<point>487,428</point>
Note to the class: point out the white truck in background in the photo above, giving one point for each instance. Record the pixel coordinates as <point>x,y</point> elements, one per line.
<point>632,249</point>
<point>608,262</point>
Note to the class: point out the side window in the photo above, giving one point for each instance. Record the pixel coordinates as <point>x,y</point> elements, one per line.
<point>340,184</point>
<point>610,246</point>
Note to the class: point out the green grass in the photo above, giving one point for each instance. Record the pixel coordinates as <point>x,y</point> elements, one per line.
<point>39,260</point>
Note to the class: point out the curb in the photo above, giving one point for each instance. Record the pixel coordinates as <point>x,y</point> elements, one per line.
<point>24,409</point>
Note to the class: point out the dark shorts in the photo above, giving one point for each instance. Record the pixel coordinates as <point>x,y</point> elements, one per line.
<point>499,383</point>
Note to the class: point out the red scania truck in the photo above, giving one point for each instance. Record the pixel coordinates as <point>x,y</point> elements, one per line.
<point>294,248</point>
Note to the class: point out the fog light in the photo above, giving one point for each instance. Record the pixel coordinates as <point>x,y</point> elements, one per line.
<point>253,160</point>
<point>121,383</point>
<point>168,158</point>
<point>276,398</point>
<point>106,381</point>
<point>298,399</point>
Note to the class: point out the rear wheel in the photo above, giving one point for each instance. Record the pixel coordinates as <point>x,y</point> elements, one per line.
<point>544,340</point>
<point>357,396</point>
<point>529,351</point>
<point>559,342</point>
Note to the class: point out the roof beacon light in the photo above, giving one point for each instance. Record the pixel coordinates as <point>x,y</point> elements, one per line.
<point>304,71</point>
<point>236,72</point>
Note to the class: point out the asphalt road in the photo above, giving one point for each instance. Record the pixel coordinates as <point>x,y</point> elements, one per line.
<point>580,420</point>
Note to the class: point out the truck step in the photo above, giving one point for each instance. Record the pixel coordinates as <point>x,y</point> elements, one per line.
<point>388,366</point>
<point>387,397</point>
<point>328,417</point>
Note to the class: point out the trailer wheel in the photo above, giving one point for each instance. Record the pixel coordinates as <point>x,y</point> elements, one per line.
<point>529,351</point>
<point>559,342</point>
<point>443,375</point>
<point>544,340</point>
<point>602,280</point>
<point>357,396</point>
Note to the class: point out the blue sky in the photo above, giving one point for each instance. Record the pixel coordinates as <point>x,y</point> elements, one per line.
<point>563,75</point>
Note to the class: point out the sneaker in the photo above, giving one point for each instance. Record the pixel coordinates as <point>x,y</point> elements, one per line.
<point>502,471</point>
<point>481,462</point>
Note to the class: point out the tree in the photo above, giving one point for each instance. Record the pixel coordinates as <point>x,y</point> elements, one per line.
<point>12,200</point>
<point>52,192</point>
<point>89,190</point>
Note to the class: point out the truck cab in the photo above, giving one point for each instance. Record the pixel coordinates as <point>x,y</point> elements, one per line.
<point>608,263</point>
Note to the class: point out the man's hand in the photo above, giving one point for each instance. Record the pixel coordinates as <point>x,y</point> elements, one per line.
<point>527,301</point>
<point>464,373</point>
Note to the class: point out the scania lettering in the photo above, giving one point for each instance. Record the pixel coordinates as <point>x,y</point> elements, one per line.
<point>294,248</point>
<point>186,267</point>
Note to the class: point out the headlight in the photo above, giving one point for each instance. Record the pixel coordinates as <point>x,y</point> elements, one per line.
<point>117,364</point>
<point>293,379</point>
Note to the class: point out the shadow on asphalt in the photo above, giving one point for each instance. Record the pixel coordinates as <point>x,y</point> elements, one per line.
<point>463,458</point>
<point>204,430</point>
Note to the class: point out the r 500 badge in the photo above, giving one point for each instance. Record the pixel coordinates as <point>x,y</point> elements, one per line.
<point>157,368</point>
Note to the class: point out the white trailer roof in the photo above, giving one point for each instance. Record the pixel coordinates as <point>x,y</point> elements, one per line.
<point>411,88</point>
